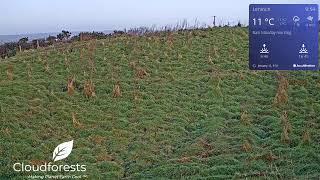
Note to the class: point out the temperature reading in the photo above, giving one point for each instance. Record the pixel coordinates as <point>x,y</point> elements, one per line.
<point>255,21</point>
<point>258,22</point>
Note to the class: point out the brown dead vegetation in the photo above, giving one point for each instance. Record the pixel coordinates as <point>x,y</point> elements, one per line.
<point>306,138</point>
<point>70,85</point>
<point>6,131</point>
<point>210,61</point>
<point>233,52</point>
<point>46,66</point>
<point>170,39</point>
<point>140,72</point>
<point>36,162</point>
<point>97,139</point>
<point>104,156</point>
<point>286,127</point>
<point>215,52</point>
<point>204,142</point>
<point>91,64</point>
<point>133,64</point>
<point>116,91</point>
<point>269,157</point>
<point>10,72</point>
<point>29,71</point>
<point>282,92</point>
<point>135,95</point>
<point>247,146</point>
<point>184,159</point>
<point>81,54</point>
<point>76,123</point>
<point>92,47</point>
<point>242,76</point>
<point>66,62</point>
<point>245,118</point>
<point>88,89</point>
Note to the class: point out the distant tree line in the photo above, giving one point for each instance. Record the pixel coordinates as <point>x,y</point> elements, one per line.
<point>10,49</point>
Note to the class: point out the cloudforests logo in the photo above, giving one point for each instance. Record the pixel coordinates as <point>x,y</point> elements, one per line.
<point>62,151</point>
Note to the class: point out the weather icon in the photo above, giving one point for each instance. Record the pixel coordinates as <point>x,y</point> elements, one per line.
<point>310,18</point>
<point>296,19</point>
<point>264,50</point>
<point>303,49</point>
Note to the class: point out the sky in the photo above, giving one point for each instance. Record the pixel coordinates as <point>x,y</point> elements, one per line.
<point>43,16</point>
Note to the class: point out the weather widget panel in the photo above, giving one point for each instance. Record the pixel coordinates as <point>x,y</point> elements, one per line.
<point>283,37</point>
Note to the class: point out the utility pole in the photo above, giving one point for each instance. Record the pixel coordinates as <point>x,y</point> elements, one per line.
<point>214,21</point>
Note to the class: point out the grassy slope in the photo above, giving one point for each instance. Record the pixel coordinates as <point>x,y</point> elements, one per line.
<point>185,118</point>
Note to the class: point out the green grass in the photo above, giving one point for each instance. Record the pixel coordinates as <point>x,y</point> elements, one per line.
<point>181,120</point>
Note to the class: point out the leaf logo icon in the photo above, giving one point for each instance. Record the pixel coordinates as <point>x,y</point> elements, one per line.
<point>62,151</point>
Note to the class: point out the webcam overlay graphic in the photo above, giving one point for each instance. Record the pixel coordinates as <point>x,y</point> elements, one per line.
<point>283,37</point>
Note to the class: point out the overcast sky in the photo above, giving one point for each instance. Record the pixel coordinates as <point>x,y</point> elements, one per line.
<point>35,16</point>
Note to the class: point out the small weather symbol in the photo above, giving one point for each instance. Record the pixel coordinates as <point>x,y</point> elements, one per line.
<point>264,50</point>
<point>303,49</point>
<point>296,19</point>
<point>310,18</point>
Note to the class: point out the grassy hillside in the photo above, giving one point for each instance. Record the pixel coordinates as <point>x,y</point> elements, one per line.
<point>166,105</point>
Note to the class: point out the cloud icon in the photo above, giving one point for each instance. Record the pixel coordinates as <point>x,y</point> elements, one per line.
<point>296,19</point>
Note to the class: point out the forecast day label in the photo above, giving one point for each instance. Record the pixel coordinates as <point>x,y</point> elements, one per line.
<point>283,37</point>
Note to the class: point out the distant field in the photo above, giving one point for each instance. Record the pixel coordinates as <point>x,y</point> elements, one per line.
<point>168,105</point>
<point>16,38</point>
